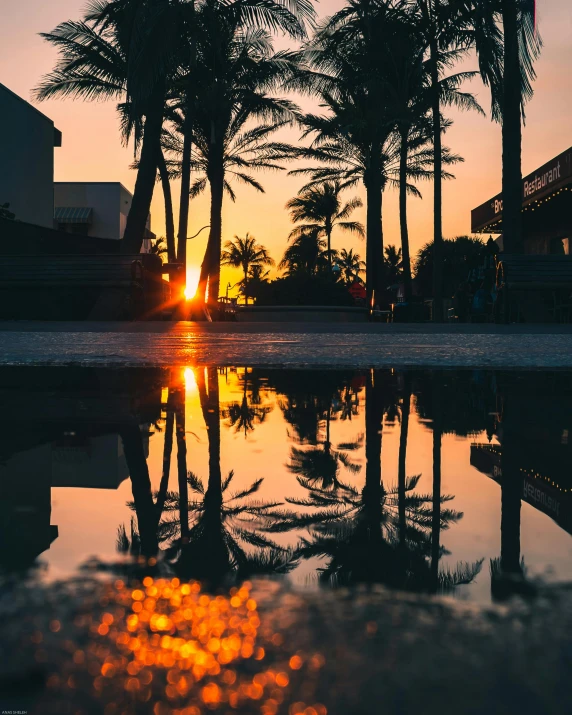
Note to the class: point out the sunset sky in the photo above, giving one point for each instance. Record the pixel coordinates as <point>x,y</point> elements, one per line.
<point>92,149</point>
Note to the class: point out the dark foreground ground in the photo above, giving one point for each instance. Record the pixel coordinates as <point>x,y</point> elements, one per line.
<point>75,648</point>
<point>286,344</point>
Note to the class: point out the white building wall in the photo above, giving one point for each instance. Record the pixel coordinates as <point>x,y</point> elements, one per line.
<point>110,203</point>
<point>27,140</point>
<point>102,197</point>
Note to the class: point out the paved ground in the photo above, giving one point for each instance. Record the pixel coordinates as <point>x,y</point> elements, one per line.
<point>286,344</point>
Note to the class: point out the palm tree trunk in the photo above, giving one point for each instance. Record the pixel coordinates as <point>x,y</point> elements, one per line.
<point>405,257</point>
<point>182,464</point>
<point>141,488</point>
<point>372,491</point>
<point>187,147</point>
<point>169,220</point>
<point>437,178</point>
<point>246,286</point>
<point>402,460</point>
<point>374,233</point>
<point>146,174</point>
<point>167,451</point>
<point>511,133</point>
<point>329,237</point>
<point>436,518</point>
<point>215,238</point>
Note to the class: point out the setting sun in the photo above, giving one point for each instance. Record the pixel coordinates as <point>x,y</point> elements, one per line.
<point>193,274</point>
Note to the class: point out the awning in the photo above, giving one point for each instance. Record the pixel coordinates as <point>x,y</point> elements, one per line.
<point>73,214</point>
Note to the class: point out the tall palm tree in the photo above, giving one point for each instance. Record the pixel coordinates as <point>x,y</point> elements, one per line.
<point>351,266</point>
<point>352,70</point>
<point>507,44</point>
<point>272,15</point>
<point>245,253</point>
<point>235,78</point>
<point>319,209</point>
<point>123,50</point>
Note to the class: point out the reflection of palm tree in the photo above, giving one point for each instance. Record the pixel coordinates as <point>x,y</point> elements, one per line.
<point>219,529</point>
<point>222,527</point>
<point>374,535</point>
<point>243,415</point>
<point>141,486</point>
<point>321,464</point>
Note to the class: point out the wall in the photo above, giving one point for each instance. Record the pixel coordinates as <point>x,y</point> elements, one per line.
<point>104,198</point>
<point>110,203</point>
<point>27,140</point>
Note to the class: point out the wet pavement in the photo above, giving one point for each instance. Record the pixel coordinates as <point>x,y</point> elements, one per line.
<point>82,648</point>
<point>288,345</point>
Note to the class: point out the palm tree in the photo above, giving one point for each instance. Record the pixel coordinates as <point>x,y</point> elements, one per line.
<point>123,50</point>
<point>393,264</point>
<point>235,75</point>
<point>318,209</point>
<point>305,255</point>
<point>245,253</point>
<point>351,266</point>
<point>272,15</point>
<point>352,71</point>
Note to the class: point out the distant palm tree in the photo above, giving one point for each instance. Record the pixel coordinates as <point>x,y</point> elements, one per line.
<point>306,255</point>
<point>319,209</point>
<point>393,264</point>
<point>158,246</point>
<point>245,253</point>
<point>351,266</point>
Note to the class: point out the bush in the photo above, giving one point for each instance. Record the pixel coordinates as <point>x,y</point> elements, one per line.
<point>302,290</point>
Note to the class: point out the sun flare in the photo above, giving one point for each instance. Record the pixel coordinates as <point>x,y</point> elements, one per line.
<point>193,274</point>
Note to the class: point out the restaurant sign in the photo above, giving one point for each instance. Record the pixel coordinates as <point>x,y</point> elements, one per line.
<point>543,181</point>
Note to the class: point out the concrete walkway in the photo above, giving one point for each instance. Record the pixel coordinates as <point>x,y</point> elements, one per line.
<point>286,345</point>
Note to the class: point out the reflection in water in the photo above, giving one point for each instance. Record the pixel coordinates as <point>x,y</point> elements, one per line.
<point>341,504</point>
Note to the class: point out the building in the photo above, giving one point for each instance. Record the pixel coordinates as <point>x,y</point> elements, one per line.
<point>95,208</point>
<point>27,141</point>
<point>546,209</point>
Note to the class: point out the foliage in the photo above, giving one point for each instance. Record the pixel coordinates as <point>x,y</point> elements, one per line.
<point>393,265</point>
<point>158,246</point>
<point>248,255</point>
<point>302,289</point>
<point>460,256</point>
<point>317,210</point>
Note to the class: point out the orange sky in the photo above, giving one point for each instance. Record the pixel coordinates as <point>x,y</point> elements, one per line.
<point>92,149</point>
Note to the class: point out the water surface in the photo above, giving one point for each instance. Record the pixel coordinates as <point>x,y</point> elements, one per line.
<point>423,481</point>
